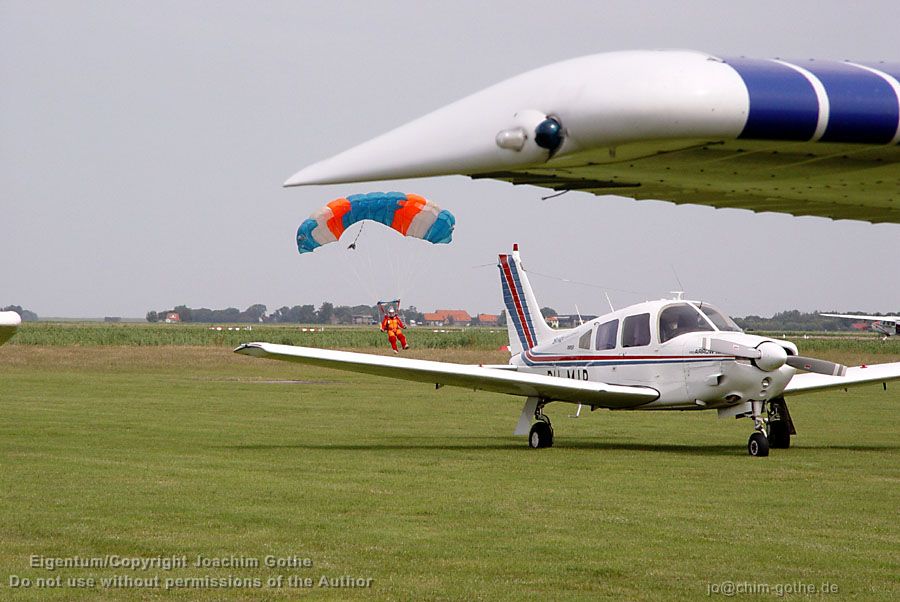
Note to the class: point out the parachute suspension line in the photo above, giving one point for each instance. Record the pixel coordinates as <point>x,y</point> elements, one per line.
<point>351,261</point>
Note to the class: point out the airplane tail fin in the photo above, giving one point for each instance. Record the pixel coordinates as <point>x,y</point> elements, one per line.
<point>524,321</point>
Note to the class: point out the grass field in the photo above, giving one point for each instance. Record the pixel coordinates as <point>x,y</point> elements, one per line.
<point>87,334</point>
<point>161,451</point>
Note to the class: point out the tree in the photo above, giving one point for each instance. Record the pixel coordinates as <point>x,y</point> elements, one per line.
<point>548,311</point>
<point>152,316</point>
<point>325,313</point>
<point>343,315</point>
<point>254,313</point>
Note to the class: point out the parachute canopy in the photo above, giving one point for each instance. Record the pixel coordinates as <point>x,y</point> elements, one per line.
<point>408,214</point>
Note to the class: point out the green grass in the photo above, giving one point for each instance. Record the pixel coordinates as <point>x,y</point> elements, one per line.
<point>160,451</point>
<point>90,334</point>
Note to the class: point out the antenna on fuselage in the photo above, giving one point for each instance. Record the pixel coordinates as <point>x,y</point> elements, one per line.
<point>578,313</point>
<point>608,300</point>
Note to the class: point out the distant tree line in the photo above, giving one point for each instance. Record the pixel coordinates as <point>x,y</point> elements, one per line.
<point>327,313</point>
<point>26,315</point>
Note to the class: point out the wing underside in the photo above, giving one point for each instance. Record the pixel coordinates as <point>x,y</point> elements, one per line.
<point>474,377</point>
<point>837,181</point>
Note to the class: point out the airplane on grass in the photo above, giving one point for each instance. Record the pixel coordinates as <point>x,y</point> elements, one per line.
<point>671,354</point>
<point>9,322</point>
<point>886,325</point>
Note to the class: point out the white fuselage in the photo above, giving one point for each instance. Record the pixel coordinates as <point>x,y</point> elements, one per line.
<point>687,375</point>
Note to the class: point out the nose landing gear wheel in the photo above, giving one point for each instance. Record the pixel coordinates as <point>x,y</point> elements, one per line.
<point>758,445</point>
<point>541,435</point>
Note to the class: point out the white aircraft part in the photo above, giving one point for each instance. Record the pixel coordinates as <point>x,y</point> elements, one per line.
<point>804,138</point>
<point>735,411</point>
<point>526,417</point>
<point>893,319</point>
<point>548,388</point>
<point>9,323</point>
<point>857,375</point>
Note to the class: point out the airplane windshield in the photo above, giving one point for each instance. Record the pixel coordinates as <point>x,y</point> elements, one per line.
<point>721,321</point>
<point>676,320</point>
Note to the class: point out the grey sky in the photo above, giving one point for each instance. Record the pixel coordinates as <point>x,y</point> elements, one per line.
<point>143,146</point>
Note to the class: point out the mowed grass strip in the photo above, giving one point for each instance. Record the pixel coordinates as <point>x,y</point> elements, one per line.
<point>140,451</point>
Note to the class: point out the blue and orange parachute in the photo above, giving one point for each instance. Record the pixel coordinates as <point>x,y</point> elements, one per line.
<point>408,214</point>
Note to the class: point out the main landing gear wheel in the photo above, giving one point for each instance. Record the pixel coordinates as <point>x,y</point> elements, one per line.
<point>758,444</point>
<point>541,435</point>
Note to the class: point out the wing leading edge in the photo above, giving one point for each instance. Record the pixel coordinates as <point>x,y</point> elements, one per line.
<point>458,375</point>
<point>809,382</point>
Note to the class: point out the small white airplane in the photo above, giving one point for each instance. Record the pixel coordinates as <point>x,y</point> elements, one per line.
<point>886,325</point>
<point>9,322</point>
<point>671,354</point>
<point>804,137</point>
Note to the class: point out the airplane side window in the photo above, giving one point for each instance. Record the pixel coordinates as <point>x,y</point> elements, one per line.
<point>636,331</point>
<point>584,342</point>
<point>606,335</point>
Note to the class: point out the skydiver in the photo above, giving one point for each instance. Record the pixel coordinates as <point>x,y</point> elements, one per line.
<point>393,326</point>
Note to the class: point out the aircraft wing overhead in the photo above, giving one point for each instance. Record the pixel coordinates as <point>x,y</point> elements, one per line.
<point>862,317</point>
<point>809,382</point>
<point>9,322</point>
<point>807,137</point>
<point>459,375</point>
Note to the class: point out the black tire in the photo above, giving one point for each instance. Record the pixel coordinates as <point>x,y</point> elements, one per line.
<point>541,435</point>
<point>779,434</point>
<point>758,446</point>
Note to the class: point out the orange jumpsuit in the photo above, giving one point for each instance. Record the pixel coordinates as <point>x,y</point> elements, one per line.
<point>393,326</point>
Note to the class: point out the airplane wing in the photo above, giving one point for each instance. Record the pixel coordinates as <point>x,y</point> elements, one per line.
<point>809,382</point>
<point>9,322</point>
<point>459,375</point>
<point>861,317</point>
<point>799,137</point>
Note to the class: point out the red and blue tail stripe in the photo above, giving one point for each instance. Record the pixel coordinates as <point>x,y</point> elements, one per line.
<point>516,304</point>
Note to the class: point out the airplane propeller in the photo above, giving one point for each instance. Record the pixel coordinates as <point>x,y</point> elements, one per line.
<point>771,356</point>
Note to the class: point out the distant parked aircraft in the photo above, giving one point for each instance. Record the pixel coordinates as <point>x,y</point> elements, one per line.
<point>886,325</point>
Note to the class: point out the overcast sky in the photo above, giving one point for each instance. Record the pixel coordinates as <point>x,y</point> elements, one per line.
<point>143,146</point>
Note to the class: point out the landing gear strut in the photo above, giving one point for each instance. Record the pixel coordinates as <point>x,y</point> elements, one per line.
<point>541,434</point>
<point>759,442</point>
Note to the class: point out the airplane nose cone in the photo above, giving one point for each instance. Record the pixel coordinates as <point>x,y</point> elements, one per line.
<point>773,356</point>
<point>476,134</point>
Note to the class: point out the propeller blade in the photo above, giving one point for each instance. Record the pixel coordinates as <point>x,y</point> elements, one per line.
<point>811,364</point>
<point>729,348</point>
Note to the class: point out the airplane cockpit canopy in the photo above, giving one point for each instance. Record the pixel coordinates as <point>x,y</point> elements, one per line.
<point>681,318</point>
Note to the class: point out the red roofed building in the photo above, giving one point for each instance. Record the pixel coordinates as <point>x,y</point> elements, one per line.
<point>448,317</point>
<point>488,319</point>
